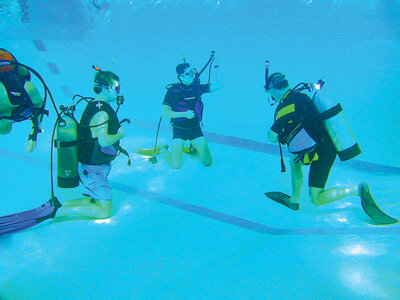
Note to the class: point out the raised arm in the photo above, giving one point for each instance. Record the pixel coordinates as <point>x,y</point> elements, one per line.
<point>218,83</point>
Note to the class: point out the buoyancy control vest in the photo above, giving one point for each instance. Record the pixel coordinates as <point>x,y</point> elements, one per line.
<point>293,133</point>
<point>89,150</point>
<point>185,99</point>
<point>17,106</point>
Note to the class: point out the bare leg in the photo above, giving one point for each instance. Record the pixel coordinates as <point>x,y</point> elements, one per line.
<point>174,158</point>
<point>297,179</point>
<point>77,202</point>
<point>200,144</point>
<point>320,196</point>
<point>89,208</point>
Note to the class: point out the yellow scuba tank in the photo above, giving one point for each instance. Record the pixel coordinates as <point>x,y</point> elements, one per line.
<point>67,152</point>
<point>335,123</point>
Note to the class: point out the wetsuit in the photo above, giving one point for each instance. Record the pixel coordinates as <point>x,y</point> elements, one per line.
<point>17,95</point>
<point>180,98</point>
<point>298,108</point>
<point>95,160</point>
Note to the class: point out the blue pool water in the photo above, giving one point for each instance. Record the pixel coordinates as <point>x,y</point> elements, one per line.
<point>208,233</point>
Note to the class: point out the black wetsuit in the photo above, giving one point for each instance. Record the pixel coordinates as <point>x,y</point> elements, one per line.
<point>180,97</point>
<point>298,108</point>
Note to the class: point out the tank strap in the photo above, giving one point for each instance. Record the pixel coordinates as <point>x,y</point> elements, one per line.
<point>124,152</point>
<point>333,111</point>
<point>58,144</point>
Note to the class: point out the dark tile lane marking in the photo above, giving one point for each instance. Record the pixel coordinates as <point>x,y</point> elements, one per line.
<point>39,45</point>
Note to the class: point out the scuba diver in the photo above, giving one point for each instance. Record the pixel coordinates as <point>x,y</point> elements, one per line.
<point>183,105</point>
<point>19,98</point>
<point>315,133</point>
<point>99,134</point>
<point>297,111</point>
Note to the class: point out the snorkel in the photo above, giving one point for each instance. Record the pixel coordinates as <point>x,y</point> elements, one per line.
<point>196,80</point>
<point>272,82</point>
<point>266,86</point>
<point>209,62</point>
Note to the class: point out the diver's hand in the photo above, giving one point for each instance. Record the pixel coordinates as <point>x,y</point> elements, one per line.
<point>30,146</point>
<point>121,132</point>
<point>188,114</point>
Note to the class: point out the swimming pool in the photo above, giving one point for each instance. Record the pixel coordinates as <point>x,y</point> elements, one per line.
<point>208,233</point>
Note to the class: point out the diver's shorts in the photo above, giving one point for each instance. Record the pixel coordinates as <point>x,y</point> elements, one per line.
<point>319,169</point>
<point>95,181</point>
<point>187,134</point>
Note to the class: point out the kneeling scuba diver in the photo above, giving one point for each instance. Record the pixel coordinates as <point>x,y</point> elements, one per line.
<point>184,107</point>
<point>315,131</point>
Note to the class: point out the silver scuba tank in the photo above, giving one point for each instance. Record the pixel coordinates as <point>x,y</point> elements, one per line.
<point>335,123</point>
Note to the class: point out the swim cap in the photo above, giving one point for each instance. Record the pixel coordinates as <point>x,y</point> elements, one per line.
<point>4,66</point>
<point>277,81</point>
<point>180,69</point>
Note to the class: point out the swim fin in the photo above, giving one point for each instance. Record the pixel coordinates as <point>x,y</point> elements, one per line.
<point>149,152</point>
<point>371,208</point>
<point>283,199</point>
<point>23,220</point>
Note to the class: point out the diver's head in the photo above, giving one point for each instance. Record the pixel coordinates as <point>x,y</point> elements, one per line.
<point>186,74</point>
<point>5,56</point>
<point>278,86</point>
<point>14,68</point>
<point>106,85</point>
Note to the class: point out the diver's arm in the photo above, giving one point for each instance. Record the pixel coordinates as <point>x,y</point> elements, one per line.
<point>33,94</point>
<point>101,132</point>
<point>272,136</point>
<point>170,114</point>
<point>37,101</point>
<point>218,84</point>
<point>30,144</point>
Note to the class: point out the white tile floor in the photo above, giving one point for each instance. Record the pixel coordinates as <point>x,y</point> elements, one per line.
<point>195,234</point>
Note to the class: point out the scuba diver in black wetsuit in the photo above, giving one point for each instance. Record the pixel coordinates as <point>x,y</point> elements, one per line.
<point>183,105</point>
<point>19,98</point>
<point>100,132</point>
<point>298,122</point>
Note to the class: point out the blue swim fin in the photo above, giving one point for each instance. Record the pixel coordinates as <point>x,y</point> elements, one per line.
<point>371,208</point>
<point>23,220</point>
<point>283,199</point>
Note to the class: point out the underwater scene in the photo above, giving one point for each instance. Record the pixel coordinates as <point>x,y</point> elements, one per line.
<point>199,149</point>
